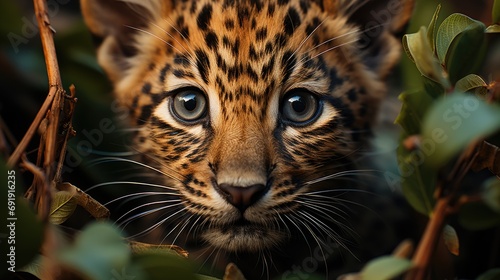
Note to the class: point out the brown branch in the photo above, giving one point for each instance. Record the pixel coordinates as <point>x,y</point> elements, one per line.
<point>21,148</point>
<point>429,240</point>
<point>49,50</point>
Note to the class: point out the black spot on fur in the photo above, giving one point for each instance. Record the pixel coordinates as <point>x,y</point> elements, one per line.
<point>163,72</point>
<point>243,15</point>
<point>345,111</point>
<point>182,74</point>
<point>146,88</point>
<point>168,129</point>
<point>352,95</point>
<point>181,59</point>
<point>229,24</point>
<point>270,10</point>
<point>288,61</point>
<point>145,114</point>
<point>261,34</point>
<point>283,2</point>
<point>335,80</point>
<point>203,64</point>
<point>280,40</point>
<point>180,149</point>
<point>184,32</point>
<point>304,6</point>
<point>291,21</point>
<point>253,53</point>
<point>252,74</point>
<point>212,40</point>
<point>204,17</point>
<point>269,48</point>
<point>267,68</point>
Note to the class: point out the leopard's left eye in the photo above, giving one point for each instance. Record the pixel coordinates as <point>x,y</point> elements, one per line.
<point>189,105</point>
<point>300,106</point>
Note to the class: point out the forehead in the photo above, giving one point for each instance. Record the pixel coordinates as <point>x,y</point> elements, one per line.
<point>250,39</point>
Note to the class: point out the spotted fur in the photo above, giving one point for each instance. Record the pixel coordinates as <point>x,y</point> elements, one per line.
<point>244,57</point>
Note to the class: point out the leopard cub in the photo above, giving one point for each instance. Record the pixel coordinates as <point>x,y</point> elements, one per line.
<point>251,111</point>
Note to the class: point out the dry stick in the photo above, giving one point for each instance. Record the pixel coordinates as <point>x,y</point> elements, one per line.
<point>429,240</point>
<point>44,191</point>
<point>442,210</point>
<point>53,76</point>
<point>21,148</point>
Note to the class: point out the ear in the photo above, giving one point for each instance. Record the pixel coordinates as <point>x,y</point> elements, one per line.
<point>113,24</point>
<point>380,23</point>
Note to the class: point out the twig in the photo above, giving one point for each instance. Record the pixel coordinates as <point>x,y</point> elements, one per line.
<point>429,240</point>
<point>21,148</point>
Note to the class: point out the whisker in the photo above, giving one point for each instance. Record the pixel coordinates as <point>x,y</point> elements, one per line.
<point>116,159</point>
<point>139,195</point>
<point>318,241</point>
<point>154,35</point>
<point>190,53</point>
<point>306,39</point>
<point>158,224</point>
<point>338,174</point>
<point>142,214</point>
<point>328,50</point>
<point>129,183</point>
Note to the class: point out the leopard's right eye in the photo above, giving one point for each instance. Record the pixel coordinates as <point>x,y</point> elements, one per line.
<point>189,105</point>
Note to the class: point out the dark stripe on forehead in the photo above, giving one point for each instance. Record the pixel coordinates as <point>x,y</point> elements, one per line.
<point>203,64</point>
<point>204,17</point>
<point>288,62</point>
<point>291,21</point>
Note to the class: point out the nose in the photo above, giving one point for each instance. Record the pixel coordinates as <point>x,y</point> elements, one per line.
<point>242,197</point>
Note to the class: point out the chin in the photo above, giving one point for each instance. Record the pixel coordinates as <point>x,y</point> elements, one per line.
<point>243,237</point>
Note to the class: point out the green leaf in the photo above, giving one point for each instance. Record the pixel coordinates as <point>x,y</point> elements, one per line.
<point>431,36</point>
<point>384,268</point>
<point>449,29</point>
<point>492,274</point>
<point>415,105</point>
<point>472,83</point>
<point>418,179</point>
<point>99,252</point>
<point>454,122</point>
<point>63,206</point>
<point>495,28</point>
<point>419,50</point>
<point>460,45</point>
<point>433,88</point>
<point>29,233</point>
<point>495,13</point>
<point>478,216</point>
<point>451,240</point>
<point>155,265</point>
<point>491,193</point>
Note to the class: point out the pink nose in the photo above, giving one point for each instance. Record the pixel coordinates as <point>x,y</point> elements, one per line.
<point>242,197</point>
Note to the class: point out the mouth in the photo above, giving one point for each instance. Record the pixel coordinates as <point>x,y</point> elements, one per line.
<point>243,235</point>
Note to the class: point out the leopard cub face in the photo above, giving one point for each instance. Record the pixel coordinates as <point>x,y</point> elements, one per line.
<point>246,107</point>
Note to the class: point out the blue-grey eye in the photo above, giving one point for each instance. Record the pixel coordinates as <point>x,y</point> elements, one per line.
<point>299,106</point>
<point>189,105</point>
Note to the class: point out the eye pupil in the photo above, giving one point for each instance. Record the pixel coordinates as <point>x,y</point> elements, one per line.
<point>300,107</point>
<point>189,105</point>
<point>190,102</point>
